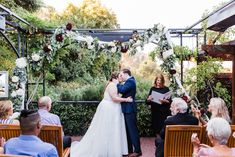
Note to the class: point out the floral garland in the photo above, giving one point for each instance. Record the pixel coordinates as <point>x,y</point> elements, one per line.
<point>158,35</point>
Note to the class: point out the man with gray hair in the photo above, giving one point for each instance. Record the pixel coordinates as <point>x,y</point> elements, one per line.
<point>180,116</point>
<point>47,118</point>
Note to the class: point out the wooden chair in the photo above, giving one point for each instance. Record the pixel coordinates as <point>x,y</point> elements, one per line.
<point>49,133</point>
<point>206,140</point>
<point>231,140</point>
<point>178,140</point>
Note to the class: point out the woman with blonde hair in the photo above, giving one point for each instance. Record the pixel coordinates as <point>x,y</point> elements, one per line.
<point>6,110</point>
<point>217,108</point>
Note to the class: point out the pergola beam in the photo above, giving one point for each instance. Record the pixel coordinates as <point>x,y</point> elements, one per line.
<point>219,49</point>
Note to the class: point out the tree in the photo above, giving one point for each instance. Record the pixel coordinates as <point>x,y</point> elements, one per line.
<point>90,14</point>
<point>29,5</point>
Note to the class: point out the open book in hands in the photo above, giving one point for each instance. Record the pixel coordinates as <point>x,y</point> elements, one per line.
<point>157,97</point>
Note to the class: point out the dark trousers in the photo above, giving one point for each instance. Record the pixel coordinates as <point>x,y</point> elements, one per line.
<point>66,141</point>
<point>133,138</point>
<point>159,143</point>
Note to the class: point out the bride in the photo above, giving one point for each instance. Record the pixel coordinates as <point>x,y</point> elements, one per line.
<point>106,136</point>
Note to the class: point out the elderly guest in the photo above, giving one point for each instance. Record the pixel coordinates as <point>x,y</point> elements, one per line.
<point>47,118</point>
<point>180,116</point>
<point>217,108</point>
<point>218,131</point>
<point>6,110</point>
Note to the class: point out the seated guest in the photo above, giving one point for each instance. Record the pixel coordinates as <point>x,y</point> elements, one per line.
<point>217,108</point>
<point>44,106</point>
<point>180,116</point>
<point>6,110</point>
<point>28,143</point>
<point>218,131</point>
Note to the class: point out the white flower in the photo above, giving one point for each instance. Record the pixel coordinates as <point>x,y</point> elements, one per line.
<point>13,94</point>
<point>15,79</point>
<point>20,92</point>
<point>111,44</point>
<point>194,78</point>
<point>113,49</point>
<point>160,27</point>
<point>21,62</point>
<point>89,41</point>
<point>36,57</point>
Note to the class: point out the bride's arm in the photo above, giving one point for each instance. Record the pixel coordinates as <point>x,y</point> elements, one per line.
<point>112,90</point>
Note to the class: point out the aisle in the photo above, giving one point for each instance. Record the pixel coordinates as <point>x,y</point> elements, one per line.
<point>147,145</point>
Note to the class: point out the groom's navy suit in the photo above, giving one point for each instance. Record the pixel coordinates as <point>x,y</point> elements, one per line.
<point>128,89</point>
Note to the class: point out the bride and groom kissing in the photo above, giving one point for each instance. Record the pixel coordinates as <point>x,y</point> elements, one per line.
<point>113,131</point>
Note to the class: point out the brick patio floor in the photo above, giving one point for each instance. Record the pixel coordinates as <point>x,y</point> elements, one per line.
<point>147,145</point>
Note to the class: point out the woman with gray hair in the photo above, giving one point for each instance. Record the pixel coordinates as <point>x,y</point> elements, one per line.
<point>218,131</point>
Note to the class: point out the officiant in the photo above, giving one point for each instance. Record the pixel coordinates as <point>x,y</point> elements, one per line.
<point>160,109</point>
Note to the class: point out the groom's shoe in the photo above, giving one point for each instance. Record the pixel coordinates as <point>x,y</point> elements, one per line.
<point>135,154</point>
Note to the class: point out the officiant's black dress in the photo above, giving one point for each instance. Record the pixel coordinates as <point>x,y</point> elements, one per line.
<point>159,112</point>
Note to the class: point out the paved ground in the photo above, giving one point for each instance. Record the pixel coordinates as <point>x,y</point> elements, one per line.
<point>147,145</point>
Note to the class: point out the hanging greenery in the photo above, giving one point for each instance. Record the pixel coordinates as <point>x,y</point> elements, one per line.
<point>63,37</point>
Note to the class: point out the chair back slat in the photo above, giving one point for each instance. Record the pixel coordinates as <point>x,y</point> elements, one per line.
<point>178,140</point>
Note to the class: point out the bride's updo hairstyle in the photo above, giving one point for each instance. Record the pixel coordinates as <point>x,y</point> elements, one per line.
<point>114,75</point>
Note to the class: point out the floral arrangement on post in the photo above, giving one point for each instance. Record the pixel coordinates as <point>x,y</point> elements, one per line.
<point>17,86</point>
<point>63,37</point>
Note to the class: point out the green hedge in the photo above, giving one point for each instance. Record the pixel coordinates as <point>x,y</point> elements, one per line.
<point>76,118</point>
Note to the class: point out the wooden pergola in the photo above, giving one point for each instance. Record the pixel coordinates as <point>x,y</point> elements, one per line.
<point>220,21</point>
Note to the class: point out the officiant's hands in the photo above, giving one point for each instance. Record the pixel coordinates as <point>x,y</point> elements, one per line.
<point>150,98</point>
<point>164,101</point>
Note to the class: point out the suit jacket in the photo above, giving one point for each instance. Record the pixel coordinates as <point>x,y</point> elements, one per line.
<point>128,89</point>
<point>179,119</point>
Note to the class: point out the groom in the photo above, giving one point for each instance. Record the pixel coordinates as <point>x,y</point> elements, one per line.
<point>129,109</point>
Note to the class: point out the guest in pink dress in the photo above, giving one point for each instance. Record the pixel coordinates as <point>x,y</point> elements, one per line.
<point>218,131</point>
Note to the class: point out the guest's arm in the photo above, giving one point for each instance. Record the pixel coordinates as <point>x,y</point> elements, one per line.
<point>196,144</point>
<point>2,143</point>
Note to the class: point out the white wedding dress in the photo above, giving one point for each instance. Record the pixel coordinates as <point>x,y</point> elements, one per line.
<point>106,136</point>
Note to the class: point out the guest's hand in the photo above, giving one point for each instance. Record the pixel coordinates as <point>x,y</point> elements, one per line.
<point>2,142</point>
<point>195,141</point>
<point>204,146</point>
<point>150,98</point>
<point>164,101</point>
<point>196,111</point>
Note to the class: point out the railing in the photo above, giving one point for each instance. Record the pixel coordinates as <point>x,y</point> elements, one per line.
<point>83,102</point>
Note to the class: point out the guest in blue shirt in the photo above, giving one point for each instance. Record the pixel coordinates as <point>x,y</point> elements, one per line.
<point>47,118</point>
<point>28,143</point>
